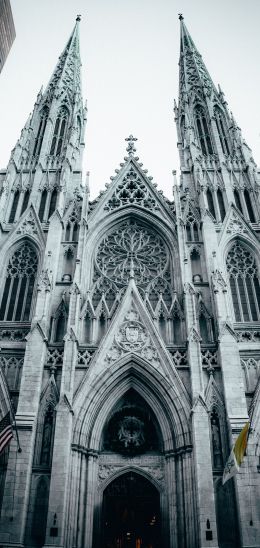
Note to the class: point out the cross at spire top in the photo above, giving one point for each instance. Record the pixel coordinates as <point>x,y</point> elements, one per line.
<point>130,147</point>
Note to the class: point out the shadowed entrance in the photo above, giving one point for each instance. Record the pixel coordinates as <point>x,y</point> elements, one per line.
<point>131,513</point>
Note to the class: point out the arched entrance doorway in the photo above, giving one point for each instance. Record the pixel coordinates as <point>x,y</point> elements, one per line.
<point>131,513</point>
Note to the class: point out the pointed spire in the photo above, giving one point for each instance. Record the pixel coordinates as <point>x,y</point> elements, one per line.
<point>194,76</point>
<point>66,75</point>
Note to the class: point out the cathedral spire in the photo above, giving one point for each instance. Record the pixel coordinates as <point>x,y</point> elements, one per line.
<point>66,76</point>
<point>194,77</point>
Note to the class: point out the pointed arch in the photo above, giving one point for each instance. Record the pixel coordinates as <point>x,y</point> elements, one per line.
<point>222,130</point>
<point>16,198</point>
<point>60,130</point>
<point>238,200</point>
<point>221,204</point>
<point>244,282</point>
<point>41,130</point>
<point>25,201</point>
<point>43,205</point>
<point>210,201</point>
<point>132,372</point>
<point>19,284</point>
<point>249,206</point>
<point>203,130</point>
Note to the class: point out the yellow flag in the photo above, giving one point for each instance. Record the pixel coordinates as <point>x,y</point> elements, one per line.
<point>241,443</point>
<point>237,454</point>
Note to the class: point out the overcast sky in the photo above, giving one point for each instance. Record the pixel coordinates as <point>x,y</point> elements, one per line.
<point>130,52</point>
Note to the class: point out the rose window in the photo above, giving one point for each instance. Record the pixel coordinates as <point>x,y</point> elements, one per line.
<point>132,250</point>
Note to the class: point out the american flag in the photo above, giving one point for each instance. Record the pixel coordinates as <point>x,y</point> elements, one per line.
<point>6,432</point>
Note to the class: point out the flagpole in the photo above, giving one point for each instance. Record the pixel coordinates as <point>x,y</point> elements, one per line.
<point>19,449</point>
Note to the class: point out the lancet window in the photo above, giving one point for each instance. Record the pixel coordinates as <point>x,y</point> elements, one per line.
<point>40,511</point>
<point>203,131</point>
<point>222,130</point>
<point>14,206</point>
<point>71,232</point>
<point>244,283</point>
<point>192,229</point>
<point>25,201</point>
<point>60,130</point>
<point>249,206</point>
<point>211,203</point>
<point>19,284</point>
<point>237,200</point>
<point>47,204</point>
<point>221,204</point>
<point>41,131</point>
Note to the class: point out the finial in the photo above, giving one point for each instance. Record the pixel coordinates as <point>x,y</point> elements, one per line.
<point>130,147</point>
<point>180,16</point>
<point>78,18</point>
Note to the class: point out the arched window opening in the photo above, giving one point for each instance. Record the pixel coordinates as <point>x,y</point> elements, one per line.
<point>216,441</point>
<point>41,131</point>
<point>19,285</point>
<point>237,200</point>
<point>222,131</point>
<point>40,512</point>
<point>75,232</point>
<point>42,205</point>
<point>14,206</point>
<point>47,436</point>
<point>188,232</point>
<point>67,233</point>
<point>196,265</point>
<point>102,324</point>
<point>244,283</point>
<point>221,204</point>
<point>249,206</point>
<point>59,134</point>
<point>53,201</point>
<point>195,232</point>
<point>211,203</point>
<point>177,331</point>
<point>204,328</point>
<point>163,326</point>
<point>88,329</point>
<point>60,328</point>
<point>203,131</point>
<point>25,201</point>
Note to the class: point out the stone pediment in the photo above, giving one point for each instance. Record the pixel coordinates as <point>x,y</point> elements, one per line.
<point>131,187</point>
<point>236,225</point>
<point>132,335</point>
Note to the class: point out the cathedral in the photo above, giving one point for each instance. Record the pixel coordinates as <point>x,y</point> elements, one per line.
<point>129,331</point>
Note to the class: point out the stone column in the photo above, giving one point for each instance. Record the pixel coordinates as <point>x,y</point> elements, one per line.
<point>90,499</point>
<point>172,500</point>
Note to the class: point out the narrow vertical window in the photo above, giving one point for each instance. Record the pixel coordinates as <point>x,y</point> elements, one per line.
<point>244,284</point>
<point>42,205</point>
<point>221,204</point>
<point>25,201</point>
<point>216,441</point>
<point>249,206</point>
<point>53,201</point>
<point>237,200</point>
<point>203,131</point>
<point>40,512</point>
<point>19,285</point>
<point>222,130</point>
<point>211,203</point>
<point>41,131</point>
<point>60,328</point>
<point>45,458</point>
<point>14,206</point>
<point>59,133</point>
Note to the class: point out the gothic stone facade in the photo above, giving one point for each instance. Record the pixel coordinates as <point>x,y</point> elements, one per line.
<point>130,331</point>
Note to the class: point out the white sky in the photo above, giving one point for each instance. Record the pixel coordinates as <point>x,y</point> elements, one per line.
<point>130,52</point>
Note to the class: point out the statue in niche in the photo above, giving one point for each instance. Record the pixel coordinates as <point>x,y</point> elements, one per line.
<point>131,433</point>
<point>47,438</point>
<point>216,441</point>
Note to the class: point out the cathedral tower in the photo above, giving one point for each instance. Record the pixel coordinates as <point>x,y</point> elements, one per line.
<point>129,330</point>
